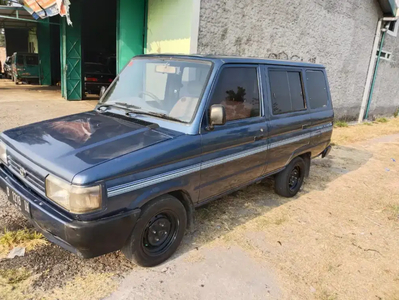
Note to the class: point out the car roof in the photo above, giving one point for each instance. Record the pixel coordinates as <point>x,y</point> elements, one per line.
<point>237,59</point>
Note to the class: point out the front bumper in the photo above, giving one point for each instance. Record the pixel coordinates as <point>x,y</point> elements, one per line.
<point>84,238</point>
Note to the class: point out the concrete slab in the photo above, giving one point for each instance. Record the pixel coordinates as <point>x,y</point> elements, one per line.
<point>24,104</point>
<point>206,273</point>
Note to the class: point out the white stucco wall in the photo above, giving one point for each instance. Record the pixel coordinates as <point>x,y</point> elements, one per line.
<point>169,26</point>
<point>338,34</point>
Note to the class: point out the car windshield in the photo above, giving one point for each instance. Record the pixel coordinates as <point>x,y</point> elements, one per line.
<point>167,87</point>
<point>96,69</point>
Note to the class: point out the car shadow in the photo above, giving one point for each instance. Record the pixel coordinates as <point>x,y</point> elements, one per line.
<point>32,88</point>
<point>222,216</point>
<point>92,97</point>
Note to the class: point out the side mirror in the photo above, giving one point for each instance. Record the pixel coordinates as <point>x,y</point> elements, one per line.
<point>102,91</point>
<point>217,115</point>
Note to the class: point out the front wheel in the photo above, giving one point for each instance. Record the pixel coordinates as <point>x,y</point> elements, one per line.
<point>158,232</point>
<point>289,181</point>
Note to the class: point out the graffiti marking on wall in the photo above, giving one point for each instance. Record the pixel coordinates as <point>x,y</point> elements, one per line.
<point>285,56</point>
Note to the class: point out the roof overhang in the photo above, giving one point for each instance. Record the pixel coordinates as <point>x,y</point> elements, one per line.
<point>389,7</point>
<point>17,17</point>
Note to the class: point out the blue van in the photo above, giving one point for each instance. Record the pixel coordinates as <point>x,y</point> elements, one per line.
<point>171,133</point>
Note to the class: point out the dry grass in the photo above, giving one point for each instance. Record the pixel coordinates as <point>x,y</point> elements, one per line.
<point>341,124</point>
<point>356,133</point>
<point>14,276</point>
<point>324,295</point>
<point>14,284</point>
<point>98,286</point>
<point>367,123</point>
<point>27,238</point>
<point>393,211</point>
<point>382,120</point>
<point>263,221</point>
<point>17,285</point>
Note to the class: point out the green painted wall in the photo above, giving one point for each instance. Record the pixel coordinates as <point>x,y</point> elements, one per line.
<point>130,30</point>
<point>169,26</point>
<point>44,45</point>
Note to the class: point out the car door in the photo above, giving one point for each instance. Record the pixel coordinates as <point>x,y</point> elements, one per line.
<point>288,115</point>
<point>233,154</point>
<point>321,112</point>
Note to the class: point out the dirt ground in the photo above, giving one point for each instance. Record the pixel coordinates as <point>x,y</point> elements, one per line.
<point>337,239</point>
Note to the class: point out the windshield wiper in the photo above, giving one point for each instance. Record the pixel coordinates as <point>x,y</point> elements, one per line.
<point>155,114</point>
<point>133,109</point>
<point>127,105</point>
<point>119,105</point>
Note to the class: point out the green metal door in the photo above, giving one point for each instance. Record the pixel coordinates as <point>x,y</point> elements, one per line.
<point>44,39</point>
<point>130,30</point>
<point>71,56</point>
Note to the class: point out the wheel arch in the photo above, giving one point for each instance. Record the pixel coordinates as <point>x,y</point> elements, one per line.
<point>180,194</point>
<point>185,199</point>
<point>306,156</point>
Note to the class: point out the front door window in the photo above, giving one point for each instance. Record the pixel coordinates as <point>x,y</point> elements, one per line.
<point>238,91</point>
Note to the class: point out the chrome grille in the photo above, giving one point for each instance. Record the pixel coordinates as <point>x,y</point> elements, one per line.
<point>25,174</point>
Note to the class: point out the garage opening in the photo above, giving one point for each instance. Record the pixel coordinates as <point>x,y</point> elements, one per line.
<point>30,48</point>
<point>98,45</point>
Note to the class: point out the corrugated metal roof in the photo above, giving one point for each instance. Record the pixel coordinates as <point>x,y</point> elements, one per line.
<point>15,17</point>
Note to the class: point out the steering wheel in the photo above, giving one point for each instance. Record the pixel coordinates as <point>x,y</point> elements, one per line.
<point>152,96</point>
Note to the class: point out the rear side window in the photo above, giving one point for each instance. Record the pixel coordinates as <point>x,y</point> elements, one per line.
<point>287,92</point>
<point>316,89</point>
<point>20,60</point>
<point>238,91</point>
<point>32,60</point>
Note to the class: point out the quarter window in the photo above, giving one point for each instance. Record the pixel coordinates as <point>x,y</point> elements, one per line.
<point>20,60</point>
<point>287,92</point>
<point>238,91</point>
<point>316,89</point>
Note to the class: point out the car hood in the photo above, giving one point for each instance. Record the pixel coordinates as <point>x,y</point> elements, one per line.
<point>69,145</point>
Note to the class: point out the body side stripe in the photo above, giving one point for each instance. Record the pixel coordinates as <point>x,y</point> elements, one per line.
<point>135,185</point>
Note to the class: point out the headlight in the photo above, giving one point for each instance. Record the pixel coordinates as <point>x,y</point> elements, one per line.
<point>74,198</point>
<point>3,154</point>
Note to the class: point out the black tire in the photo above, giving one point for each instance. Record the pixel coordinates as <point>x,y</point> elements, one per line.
<point>157,233</point>
<point>289,181</point>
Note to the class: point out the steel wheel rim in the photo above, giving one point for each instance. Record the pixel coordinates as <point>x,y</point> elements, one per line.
<point>160,233</point>
<point>294,178</point>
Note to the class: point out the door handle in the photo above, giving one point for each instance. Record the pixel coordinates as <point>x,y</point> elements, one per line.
<point>306,126</point>
<point>258,138</point>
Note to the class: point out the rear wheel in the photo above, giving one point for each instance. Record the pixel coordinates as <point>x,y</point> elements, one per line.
<point>158,232</point>
<point>289,181</point>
